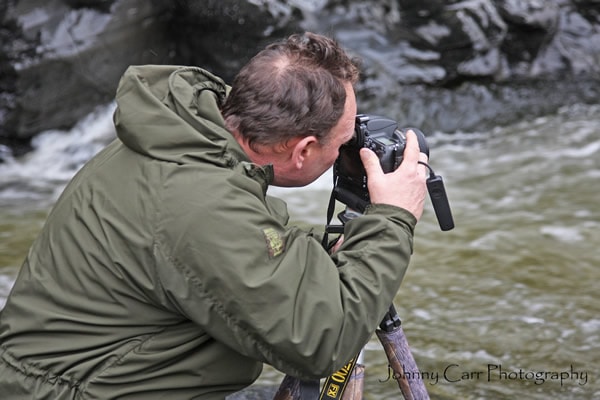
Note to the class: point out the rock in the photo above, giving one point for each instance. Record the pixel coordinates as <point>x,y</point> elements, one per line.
<point>222,35</point>
<point>469,65</point>
<point>66,57</point>
<point>59,59</point>
<point>74,58</point>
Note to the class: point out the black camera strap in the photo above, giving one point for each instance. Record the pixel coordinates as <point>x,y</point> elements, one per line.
<point>336,229</point>
<point>335,384</point>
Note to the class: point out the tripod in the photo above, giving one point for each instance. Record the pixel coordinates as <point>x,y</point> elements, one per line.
<point>347,383</point>
<point>389,332</point>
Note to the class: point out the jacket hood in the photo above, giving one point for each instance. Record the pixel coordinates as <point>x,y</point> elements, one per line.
<point>171,113</point>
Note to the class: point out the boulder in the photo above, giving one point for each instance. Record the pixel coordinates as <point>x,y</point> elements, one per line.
<point>451,65</point>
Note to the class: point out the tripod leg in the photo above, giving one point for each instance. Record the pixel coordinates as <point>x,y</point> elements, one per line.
<point>403,364</point>
<point>296,389</point>
<point>354,388</point>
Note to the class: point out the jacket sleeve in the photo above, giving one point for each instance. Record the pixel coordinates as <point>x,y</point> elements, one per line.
<point>272,292</point>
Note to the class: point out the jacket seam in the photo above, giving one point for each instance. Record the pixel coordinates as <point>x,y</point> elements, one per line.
<point>141,340</point>
<point>32,370</point>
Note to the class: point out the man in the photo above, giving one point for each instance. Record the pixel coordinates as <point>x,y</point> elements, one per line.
<point>165,271</point>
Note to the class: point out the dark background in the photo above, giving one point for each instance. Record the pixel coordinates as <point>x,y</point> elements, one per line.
<point>440,65</point>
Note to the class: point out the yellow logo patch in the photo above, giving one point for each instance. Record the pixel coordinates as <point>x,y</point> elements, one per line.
<point>275,243</point>
<point>333,390</point>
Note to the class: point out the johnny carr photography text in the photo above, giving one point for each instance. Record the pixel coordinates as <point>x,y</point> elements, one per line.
<point>453,373</point>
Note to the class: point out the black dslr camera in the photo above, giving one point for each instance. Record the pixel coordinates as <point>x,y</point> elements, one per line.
<point>381,135</point>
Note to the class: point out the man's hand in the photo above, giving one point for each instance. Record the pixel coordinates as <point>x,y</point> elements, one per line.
<point>405,187</point>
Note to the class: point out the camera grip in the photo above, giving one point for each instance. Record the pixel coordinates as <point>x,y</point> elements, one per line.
<point>439,199</point>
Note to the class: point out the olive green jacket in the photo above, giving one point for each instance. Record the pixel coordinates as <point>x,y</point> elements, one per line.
<point>164,271</point>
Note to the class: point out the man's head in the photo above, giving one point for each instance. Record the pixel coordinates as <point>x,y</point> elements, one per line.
<point>293,105</point>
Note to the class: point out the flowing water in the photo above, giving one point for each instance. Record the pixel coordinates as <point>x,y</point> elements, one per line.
<point>506,305</point>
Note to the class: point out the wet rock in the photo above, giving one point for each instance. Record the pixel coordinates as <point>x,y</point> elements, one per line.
<point>59,59</point>
<point>72,59</point>
<point>222,35</point>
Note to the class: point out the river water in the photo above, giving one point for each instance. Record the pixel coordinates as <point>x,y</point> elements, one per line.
<point>506,305</point>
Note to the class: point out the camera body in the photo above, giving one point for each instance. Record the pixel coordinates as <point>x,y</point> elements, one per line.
<point>385,139</point>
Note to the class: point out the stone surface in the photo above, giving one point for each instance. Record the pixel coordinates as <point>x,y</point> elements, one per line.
<point>447,65</point>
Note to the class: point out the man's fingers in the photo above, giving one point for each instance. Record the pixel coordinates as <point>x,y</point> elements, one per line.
<point>404,187</point>
<point>370,162</point>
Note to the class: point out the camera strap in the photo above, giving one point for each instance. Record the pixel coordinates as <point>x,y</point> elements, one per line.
<point>337,229</point>
<point>333,388</point>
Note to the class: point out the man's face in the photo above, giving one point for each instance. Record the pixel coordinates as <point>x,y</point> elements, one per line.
<point>325,154</point>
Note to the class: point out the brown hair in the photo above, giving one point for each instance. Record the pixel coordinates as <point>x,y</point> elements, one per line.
<point>294,87</point>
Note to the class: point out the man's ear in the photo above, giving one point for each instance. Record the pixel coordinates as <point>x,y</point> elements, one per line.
<point>303,150</point>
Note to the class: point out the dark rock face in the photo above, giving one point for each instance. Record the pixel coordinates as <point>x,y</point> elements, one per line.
<point>62,58</point>
<point>468,65</point>
<point>73,60</point>
<point>442,64</point>
<point>222,35</point>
